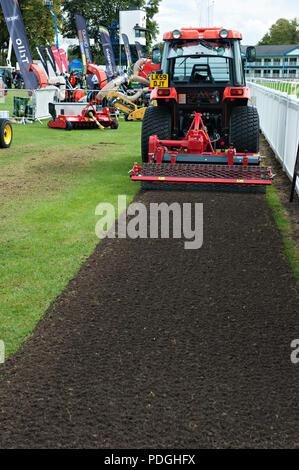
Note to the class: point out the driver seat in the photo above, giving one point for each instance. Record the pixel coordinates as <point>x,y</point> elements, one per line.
<point>201,73</point>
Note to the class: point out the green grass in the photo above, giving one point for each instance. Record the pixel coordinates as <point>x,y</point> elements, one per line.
<point>53,182</point>
<point>283,223</point>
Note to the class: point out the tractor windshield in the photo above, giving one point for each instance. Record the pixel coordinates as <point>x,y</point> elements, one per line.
<point>201,61</point>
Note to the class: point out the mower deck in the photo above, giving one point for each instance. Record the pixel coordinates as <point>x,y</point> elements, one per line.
<point>79,122</point>
<point>89,118</point>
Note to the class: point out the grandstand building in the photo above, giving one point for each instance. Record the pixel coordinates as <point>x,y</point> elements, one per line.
<point>274,62</point>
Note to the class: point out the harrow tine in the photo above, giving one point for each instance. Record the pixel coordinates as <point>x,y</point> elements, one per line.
<point>207,174</point>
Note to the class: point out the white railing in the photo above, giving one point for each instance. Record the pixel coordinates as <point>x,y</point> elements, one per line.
<point>279,122</point>
<point>26,105</point>
<point>16,103</point>
<point>286,85</point>
<point>29,105</point>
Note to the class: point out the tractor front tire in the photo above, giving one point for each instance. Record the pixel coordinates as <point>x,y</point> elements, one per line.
<point>5,133</point>
<point>156,121</point>
<point>244,129</point>
<point>68,126</point>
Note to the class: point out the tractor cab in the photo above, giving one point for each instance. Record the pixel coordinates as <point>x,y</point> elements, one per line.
<point>201,70</point>
<point>210,56</point>
<point>205,73</point>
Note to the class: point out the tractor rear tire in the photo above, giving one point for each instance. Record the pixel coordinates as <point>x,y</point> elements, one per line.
<point>5,133</point>
<point>156,121</point>
<point>244,129</point>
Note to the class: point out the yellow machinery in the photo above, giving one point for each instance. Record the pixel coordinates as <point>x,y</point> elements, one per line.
<point>131,111</point>
<point>5,133</point>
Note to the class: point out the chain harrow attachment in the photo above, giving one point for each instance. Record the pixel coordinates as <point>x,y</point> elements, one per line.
<point>194,160</point>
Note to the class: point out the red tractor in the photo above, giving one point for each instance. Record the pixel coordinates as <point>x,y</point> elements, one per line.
<point>203,128</point>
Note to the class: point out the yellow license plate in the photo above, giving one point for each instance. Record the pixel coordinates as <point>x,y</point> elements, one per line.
<point>159,80</point>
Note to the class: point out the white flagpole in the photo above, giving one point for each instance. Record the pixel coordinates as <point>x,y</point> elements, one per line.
<point>8,59</point>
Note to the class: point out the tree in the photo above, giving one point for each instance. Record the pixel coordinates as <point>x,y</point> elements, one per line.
<point>282,32</point>
<point>100,13</point>
<point>38,21</point>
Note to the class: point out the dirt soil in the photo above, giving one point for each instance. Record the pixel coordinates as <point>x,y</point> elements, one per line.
<point>45,173</point>
<point>155,346</point>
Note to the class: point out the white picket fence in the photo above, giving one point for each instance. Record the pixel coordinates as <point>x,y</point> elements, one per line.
<point>287,85</point>
<point>279,122</point>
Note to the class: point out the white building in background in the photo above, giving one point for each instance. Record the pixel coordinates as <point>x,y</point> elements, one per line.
<point>132,22</point>
<point>66,43</point>
<point>274,62</point>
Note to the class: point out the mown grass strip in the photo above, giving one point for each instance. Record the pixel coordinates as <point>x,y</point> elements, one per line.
<point>51,182</point>
<point>281,218</point>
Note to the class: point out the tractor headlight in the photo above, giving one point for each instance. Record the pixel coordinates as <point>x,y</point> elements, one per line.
<point>223,33</point>
<point>176,34</point>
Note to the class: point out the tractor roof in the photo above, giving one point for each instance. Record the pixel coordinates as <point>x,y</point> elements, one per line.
<point>203,33</point>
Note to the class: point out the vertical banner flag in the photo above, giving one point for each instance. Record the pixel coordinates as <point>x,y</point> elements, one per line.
<point>108,52</point>
<point>56,55</point>
<point>127,49</point>
<point>51,58</point>
<point>16,29</point>
<point>83,40</point>
<point>139,49</point>
<point>64,60</point>
<point>43,59</point>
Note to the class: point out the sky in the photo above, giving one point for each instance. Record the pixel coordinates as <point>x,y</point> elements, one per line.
<point>252,18</point>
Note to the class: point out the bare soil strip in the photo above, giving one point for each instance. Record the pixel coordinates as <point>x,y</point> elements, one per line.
<point>45,172</point>
<point>155,346</point>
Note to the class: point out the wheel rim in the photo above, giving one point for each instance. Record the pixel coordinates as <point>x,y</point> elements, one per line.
<point>7,134</point>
